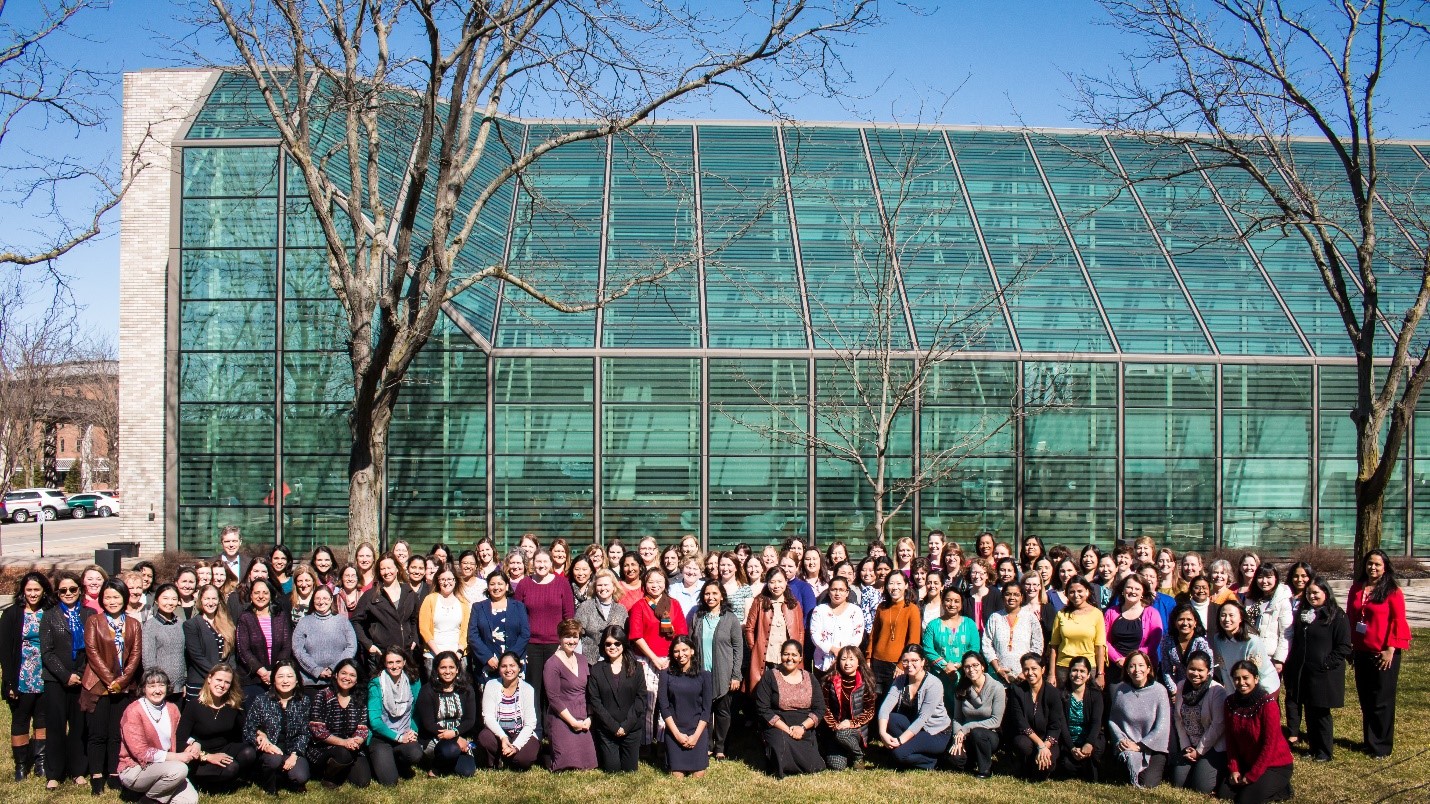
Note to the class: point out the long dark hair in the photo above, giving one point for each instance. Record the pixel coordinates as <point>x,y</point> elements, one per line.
<point>1386,584</point>
<point>691,668</point>
<point>1254,592</point>
<point>1243,632</point>
<point>359,690</point>
<point>1332,608</point>
<point>47,593</point>
<point>702,609</point>
<point>459,684</point>
<point>1199,631</point>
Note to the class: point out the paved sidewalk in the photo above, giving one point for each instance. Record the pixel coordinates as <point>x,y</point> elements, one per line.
<point>1417,599</point>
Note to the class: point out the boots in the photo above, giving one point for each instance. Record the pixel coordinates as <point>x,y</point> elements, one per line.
<point>22,754</point>
<point>37,759</point>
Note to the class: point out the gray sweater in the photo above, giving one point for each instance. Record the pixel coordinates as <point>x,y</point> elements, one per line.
<point>163,649</point>
<point>1142,715</point>
<point>975,710</point>
<point>321,642</point>
<point>929,714</point>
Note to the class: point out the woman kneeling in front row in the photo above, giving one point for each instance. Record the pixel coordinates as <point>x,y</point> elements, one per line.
<point>913,720</point>
<point>1258,760</point>
<point>151,762</point>
<point>789,702</point>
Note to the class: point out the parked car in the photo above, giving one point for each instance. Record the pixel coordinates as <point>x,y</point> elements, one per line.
<point>93,503</point>
<point>23,505</point>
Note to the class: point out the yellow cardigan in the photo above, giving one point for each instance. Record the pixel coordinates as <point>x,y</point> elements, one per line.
<point>424,620</point>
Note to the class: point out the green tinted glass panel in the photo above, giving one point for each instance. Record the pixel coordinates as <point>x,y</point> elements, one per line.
<point>199,526</point>
<point>314,325</point>
<point>316,430</point>
<point>317,377</point>
<point>224,479</point>
<point>1052,306</point>
<point>752,289</point>
<point>230,377</point>
<point>228,274</point>
<point>230,172</point>
<point>225,428</point>
<point>542,380</point>
<point>219,325</point>
<point>233,110</point>
<point>230,223</point>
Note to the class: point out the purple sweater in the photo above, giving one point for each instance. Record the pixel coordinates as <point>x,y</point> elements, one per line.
<point>547,604</point>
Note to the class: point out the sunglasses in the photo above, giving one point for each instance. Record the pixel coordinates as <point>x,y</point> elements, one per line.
<point>611,645</point>
<point>69,590</point>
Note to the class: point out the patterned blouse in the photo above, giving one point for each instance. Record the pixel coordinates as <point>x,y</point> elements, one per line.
<point>30,680</point>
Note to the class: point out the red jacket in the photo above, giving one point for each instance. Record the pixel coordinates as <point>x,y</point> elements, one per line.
<point>1254,741</point>
<point>1385,623</point>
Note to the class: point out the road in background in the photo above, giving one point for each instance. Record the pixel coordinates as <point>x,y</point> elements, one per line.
<point>63,537</point>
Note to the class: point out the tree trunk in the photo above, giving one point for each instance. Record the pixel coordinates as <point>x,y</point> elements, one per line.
<point>1370,518</point>
<point>367,476</point>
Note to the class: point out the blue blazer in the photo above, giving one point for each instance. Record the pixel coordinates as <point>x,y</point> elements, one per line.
<point>804,594</point>
<point>482,640</point>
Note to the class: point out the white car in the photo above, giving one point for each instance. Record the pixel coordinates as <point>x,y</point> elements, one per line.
<point>93,503</point>
<point>23,505</point>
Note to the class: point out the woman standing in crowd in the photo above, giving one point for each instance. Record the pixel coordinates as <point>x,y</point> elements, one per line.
<point>209,638</point>
<point>337,742</point>
<point>1010,633</point>
<point>237,599</point>
<point>1223,584</point>
<point>1141,722</point>
<point>280,565</point>
<point>548,602</point>
<point>214,722</point>
<point>600,612</point>
<point>685,701</point>
<point>913,720</point>
<point>1032,551</point>
<point>496,625</point>
<point>325,566</point>
<point>322,639</point>
<point>23,666</point>
<point>187,582</point>
<point>978,709</point>
<point>443,618</point>
<point>1198,717</point>
<point>392,717</point>
<point>560,553</point>
<point>1245,577</point>
<point>947,640</point>
<point>616,694</point>
<point>1132,626</point>
<point>300,600</point>
<point>656,620</point>
<point>92,580</point>
<point>774,618</point>
<point>1315,670</point>
<point>790,704</point>
<point>632,587</point>
<point>738,590</point>
<point>1258,758</point>
<point>814,572</point>
<point>1381,633</point>
<point>850,705</point>
<point>509,718</point>
<point>1184,636</point>
<point>685,586</point>
<point>365,559</point>
<point>277,726</point>
<point>264,637</point>
<point>582,577</point>
<point>897,623</point>
<point>1234,642</point>
<point>112,642</point>
<point>1034,721</point>
<point>1083,714</point>
<point>1168,581</point>
<point>1199,597</point>
<point>447,717</point>
<point>349,592</point>
<point>978,599</point>
<point>471,585</point>
<point>718,636</point>
<point>1079,630</point>
<point>164,640</point>
<point>386,615</point>
<point>834,625</point>
<point>1268,610</point>
<point>568,724</point>
<point>63,660</point>
<point>153,763</point>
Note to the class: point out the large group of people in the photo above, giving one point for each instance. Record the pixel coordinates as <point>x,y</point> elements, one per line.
<point>1138,666</point>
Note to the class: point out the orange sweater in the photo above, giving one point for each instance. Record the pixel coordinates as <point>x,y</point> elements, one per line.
<point>895,626</point>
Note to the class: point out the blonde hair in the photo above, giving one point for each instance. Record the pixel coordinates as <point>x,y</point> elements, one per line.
<point>222,624</point>
<point>234,696</point>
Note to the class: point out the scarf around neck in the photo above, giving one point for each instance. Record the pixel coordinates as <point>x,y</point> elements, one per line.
<point>396,696</point>
<point>74,621</point>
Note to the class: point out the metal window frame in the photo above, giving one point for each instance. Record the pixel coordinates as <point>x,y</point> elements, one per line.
<point>997,284</point>
<point>887,235</point>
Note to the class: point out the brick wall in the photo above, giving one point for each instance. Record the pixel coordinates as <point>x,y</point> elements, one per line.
<point>157,105</point>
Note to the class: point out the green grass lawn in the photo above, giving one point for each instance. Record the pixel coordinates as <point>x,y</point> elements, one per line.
<point>1351,778</point>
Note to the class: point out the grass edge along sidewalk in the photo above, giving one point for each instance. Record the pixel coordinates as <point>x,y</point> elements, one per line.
<point>1352,777</point>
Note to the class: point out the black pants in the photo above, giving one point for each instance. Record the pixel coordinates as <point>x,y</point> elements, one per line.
<point>103,724</point>
<point>618,754</point>
<point>336,764</point>
<point>448,758</point>
<point>883,675</point>
<point>271,766</point>
<point>1274,785</point>
<point>979,745</point>
<point>1026,752</point>
<point>390,759</point>
<point>1088,770</point>
<point>1202,776</point>
<point>64,725</point>
<point>720,728</point>
<point>1293,717</point>
<point>25,713</point>
<point>536,656</point>
<point>211,778</point>
<point>1320,731</point>
<point>1376,689</point>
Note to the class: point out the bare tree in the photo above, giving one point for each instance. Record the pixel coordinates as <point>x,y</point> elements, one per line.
<point>889,321</point>
<point>42,93</point>
<point>348,104</point>
<point>1283,100</point>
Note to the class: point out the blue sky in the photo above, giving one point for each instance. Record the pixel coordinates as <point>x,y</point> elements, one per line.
<point>973,62</point>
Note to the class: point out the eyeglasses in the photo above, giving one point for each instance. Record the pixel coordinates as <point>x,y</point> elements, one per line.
<point>611,645</point>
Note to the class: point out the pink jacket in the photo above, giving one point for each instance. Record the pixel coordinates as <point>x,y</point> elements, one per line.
<point>139,741</point>
<point>1151,633</point>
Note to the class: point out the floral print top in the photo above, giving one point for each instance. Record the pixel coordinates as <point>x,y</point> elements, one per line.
<point>30,680</point>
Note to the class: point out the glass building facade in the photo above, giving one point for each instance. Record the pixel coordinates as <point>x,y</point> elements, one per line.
<point>1114,361</point>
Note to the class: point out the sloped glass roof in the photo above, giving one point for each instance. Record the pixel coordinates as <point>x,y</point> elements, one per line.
<point>848,237</point>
